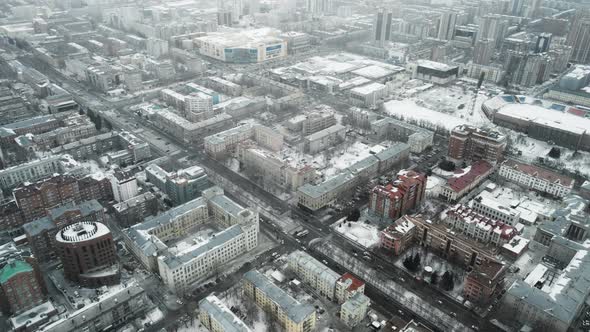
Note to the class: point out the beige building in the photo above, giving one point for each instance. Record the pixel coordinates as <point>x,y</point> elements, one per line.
<point>225,142</point>
<point>290,313</point>
<point>354,310</point>
<point>217,317</point>
<point>314,273</point>
<point>347,286</point>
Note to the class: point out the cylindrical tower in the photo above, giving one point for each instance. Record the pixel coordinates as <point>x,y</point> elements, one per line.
<point>88,254</point>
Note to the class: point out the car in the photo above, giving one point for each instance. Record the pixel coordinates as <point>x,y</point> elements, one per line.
<point>325,262</point>
<point>439,302</point>
<point>475,327</point>
<point>400,312</point>
<point>454,314</point>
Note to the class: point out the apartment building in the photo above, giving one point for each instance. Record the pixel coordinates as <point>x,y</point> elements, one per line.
<point>368,95</point>
<point>225,142</point>
<point>182,185</point>
<point>354,310</point>
<point>291,314</point>
<point>468,143</point>
<point>124,185</point>
<point>394,200</point>
<point>477,226</point>
<point>486,205</point>
<point>20,289</point>
<point>313,272</point>
<point>387,128</point>
<point>397,237</point>
<point>315,197</point>
<point>484,282</point>
<point>536,178</point>
<point>32,171</point>
<point>321,140</point>
<point>217,317</point>
<point>179,270</point>
<point>455,248</point>
<point>347,286</point>
<point>458,186</point>
<point>136,209</point>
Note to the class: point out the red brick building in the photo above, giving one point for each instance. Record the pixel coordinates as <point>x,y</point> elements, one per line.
<point>20,288</point>
<point>484,282</point>
<point>396,199</point>
<point>11,218</point>
<point>397,237</point>
<point>35,199</point>
<point>87,252</point>
<point>472,144</point>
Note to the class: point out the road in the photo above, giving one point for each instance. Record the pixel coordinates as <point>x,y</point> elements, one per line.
<point>308,221</point>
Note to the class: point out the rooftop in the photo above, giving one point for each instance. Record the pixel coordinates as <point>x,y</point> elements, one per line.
<point>539,172</point>
<point>13,268</point>
<point>220,312</point>
<point>478,169</point>
<point>295,310</point>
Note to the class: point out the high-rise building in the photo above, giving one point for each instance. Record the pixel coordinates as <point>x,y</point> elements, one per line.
<point>20,288</point>
<point>318,7</point>
<point>382,26</point>
<point>579,37</point>
<point>124,186</point>
<point>471,143</point>
<point>446,26</point>
<point>88,254</point>
<point>543,42</point>
<point>490,27</point>
<point>483,51</point>
<point>395,199</point>
<point>516,7</point>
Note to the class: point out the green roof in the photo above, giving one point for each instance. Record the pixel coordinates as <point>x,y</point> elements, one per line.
<point>13,268</point>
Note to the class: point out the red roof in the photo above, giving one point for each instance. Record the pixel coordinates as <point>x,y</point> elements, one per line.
<point>477,169</point>
<point>356,283</point>
<point>540,173</point>
<point>577,112</point>
<point>464,214</point>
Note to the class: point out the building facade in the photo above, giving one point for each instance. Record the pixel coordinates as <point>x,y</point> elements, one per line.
<point>536,178</point>
<point>472,144</point>
<point>20,289</point>
<point>397,198</point>
<point>217,317</point>
<point>313,272</point>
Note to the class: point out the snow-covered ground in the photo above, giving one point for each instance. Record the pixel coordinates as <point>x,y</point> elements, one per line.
<point>344,158</point>
<point>153,316</point>
<point>366,235</point>
<point>434,185</point>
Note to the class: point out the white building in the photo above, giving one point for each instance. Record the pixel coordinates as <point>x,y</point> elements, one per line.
<point>368,95</point>
<point>313,272</point>
<point>354,310</point>
<point>224,142</point>
<point>217,317</point>
<point>486,205</point>
<point>325,138</point>
<point>157,47</point>
<point>181,268</point>
<point>478,227</point>
<point>198,106</point>
<point>245,46</point>
<point>124,185</point>
<point>536,178</point>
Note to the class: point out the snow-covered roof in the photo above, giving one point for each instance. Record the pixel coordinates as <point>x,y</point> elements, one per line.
<point>224,317</point>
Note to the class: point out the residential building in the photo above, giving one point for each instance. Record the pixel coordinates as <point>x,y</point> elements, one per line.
<point>453,247</point>
<point>487,206</point>
<point>354,310</point>
<point>20,288</point>
<point>554,293</point>
<point>347,286</point>
<point>179,270</point>
<point>473,144</point>
<point>483,51</point>
<point>315,197</point>
<point>291,314</point>
<point>460,185</point>
<point>217,317</point>
<point>391,129</point>
<point>225,142</point>
<point>484,282</point>
<point>579,37</point>
<point>297,42</point>
<point>41,232</point>
<point>321,117</point>
<point>329,137</point>
<point>228,87</point>
<point>112,309</point>
<point>478,227</point>
<point>311,271</point>
<point>536,178</point>
<point>157,47</point>
<point>393,200</point>
<point>36,199</point>
<point>319,7</point>
<point>135,209</point>
<point>88,254</point>
<point>446,26</point>
<point>124,185</point>
<point>382,27</point>
<point>397,237</point>
<point>180,186</point>
<point>32,171</point>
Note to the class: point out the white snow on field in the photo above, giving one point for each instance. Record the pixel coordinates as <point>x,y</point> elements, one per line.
<point>443,106</point>
<point>366,235</point>
<point>532,149</point>
<point>154,316</point>
<point>408,109</point>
